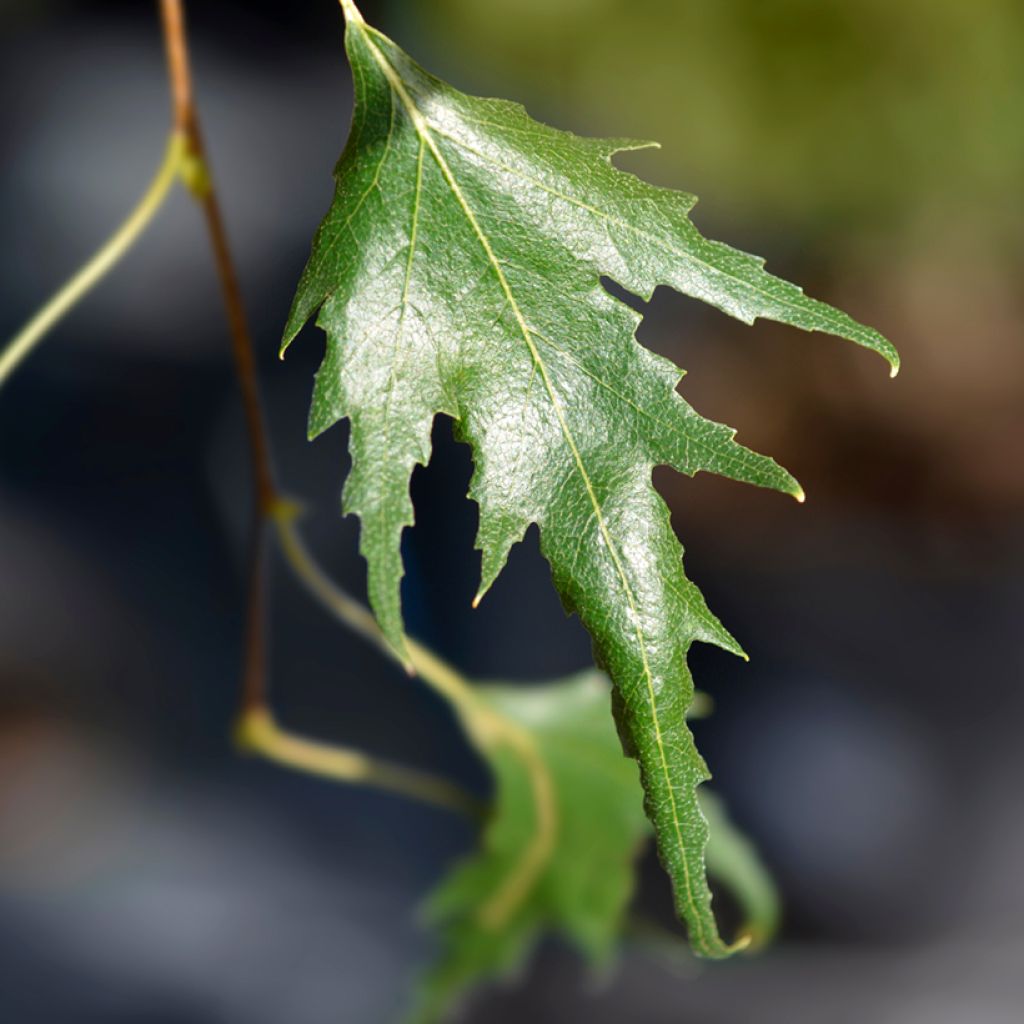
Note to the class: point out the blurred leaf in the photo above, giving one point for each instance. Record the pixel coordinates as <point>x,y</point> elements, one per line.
<point>734,863</point>
<point>458,271</point>
<point>582,889</point>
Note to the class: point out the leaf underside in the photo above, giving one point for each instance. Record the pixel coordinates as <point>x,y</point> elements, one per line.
<point>458,271</point>
<point>582,889</point>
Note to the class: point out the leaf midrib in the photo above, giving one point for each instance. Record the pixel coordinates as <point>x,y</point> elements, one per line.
<point>423,129</point>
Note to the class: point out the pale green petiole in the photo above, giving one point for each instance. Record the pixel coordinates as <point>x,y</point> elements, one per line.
<point>101,263</point>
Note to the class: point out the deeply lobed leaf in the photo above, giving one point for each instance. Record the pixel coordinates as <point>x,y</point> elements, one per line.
<point>458,271</point>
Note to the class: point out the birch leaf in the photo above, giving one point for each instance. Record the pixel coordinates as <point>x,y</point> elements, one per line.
<point>458,272</point>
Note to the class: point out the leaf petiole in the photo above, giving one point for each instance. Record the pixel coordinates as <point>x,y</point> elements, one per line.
<point>21,346</point>
<point>487,728</point>
<point>258,733</point>
<point>351,11</point>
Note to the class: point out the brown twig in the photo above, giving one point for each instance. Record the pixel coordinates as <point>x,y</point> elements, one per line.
<point>186,120</point>
<point>200,181</point>
<point>172,16</point>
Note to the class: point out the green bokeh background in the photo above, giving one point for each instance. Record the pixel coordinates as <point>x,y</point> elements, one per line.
<point>861,110</point>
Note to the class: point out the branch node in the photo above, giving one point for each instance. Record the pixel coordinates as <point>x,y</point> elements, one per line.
<point>284,511</point>
<point>195,173</point>
<point>252,729</point>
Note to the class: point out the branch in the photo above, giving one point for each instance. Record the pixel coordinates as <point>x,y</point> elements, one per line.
<point>186,122</point>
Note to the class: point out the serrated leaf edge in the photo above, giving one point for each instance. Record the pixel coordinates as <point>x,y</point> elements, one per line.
<point>702,941</point>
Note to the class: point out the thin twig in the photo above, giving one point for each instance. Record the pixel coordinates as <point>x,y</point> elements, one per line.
<point>179,72</point>
<point>270,505</point>
<point>186,121</point>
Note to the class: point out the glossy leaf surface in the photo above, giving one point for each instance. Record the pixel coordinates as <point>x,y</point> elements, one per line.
<point>458,271</point>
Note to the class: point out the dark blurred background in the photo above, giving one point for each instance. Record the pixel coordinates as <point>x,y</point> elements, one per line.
<point>872,151</point>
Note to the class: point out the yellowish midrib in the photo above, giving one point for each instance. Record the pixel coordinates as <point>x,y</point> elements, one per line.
<point>423,129</point>
<point>399,330</point>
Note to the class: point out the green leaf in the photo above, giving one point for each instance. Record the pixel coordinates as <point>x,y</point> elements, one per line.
<point>591,832</point>
<point>458,272</point>
<point>734,863</point>
<point>494,906</point>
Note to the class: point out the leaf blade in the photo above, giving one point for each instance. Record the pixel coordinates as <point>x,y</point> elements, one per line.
<point>504,325</point>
